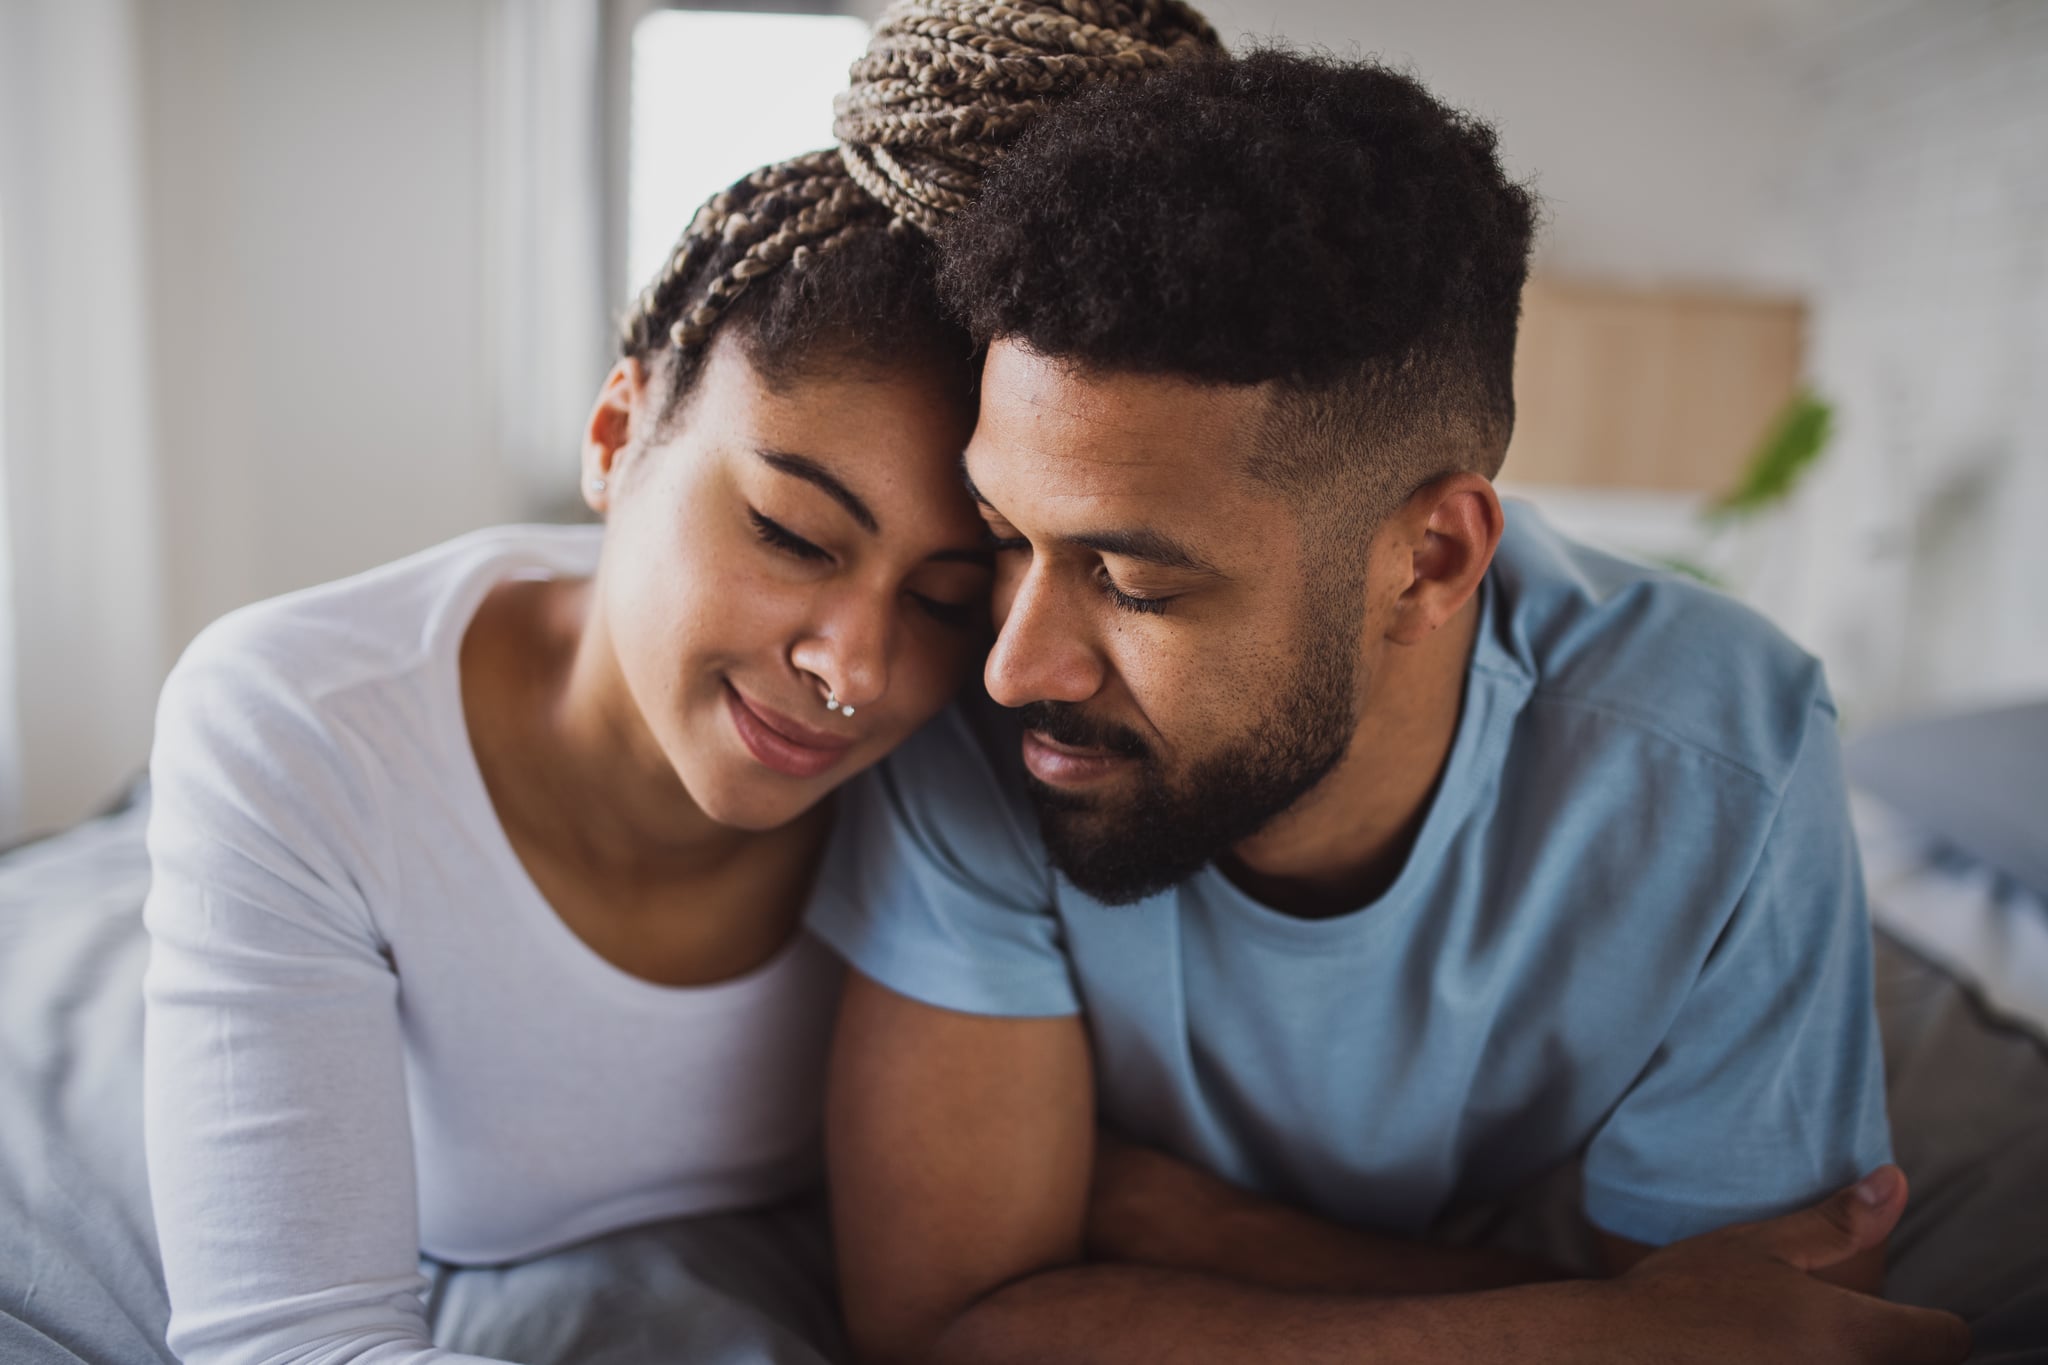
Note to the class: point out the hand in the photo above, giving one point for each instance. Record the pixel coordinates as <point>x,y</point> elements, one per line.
<point>1147,1207</point>
<point>1745,1293</point>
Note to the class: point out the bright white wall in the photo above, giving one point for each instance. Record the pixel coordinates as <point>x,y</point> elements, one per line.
<point>1927,562</point>
<point>280,282</point>
<point>319,201</point>
<point>1663,135</point>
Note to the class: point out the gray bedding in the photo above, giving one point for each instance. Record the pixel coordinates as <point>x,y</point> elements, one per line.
<point>78,1275</point>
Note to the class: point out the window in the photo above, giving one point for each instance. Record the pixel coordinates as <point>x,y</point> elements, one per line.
<point>714,94</point>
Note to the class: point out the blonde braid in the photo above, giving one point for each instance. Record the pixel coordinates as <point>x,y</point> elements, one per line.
<point>944,86</point>
<point>947,84</point>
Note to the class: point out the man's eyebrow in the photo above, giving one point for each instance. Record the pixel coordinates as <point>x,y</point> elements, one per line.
<point>815,474</point>
<point>1153,547</point>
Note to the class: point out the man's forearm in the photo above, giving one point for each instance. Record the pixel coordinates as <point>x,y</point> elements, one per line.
<point>1106,1314</point>
<point>1149,1208</point>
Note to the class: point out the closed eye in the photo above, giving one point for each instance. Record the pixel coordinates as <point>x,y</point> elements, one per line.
<point>1149,606</point>
<point>956,615</point>
<point>785,540</point>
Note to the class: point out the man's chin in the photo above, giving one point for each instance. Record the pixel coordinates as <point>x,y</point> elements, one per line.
<point>1110,853</point>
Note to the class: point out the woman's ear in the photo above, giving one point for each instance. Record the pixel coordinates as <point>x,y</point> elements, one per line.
<point>610,429</point>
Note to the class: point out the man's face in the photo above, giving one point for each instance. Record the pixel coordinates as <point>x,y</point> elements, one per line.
<point>1186,672</point>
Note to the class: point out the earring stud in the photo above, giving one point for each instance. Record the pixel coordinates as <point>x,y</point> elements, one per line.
<point>832,703</point>
<point>597,485</point>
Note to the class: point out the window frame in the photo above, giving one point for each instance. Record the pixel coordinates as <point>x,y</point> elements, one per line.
<point>617,19</point>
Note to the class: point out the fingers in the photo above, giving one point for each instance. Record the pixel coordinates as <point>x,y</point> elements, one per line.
<point>1838,1227</point>
<point>1898,1335</point>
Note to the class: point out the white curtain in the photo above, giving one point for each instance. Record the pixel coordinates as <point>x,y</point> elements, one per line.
<point>547,336</point>
<point>10,728</point>
<point>79,548</point>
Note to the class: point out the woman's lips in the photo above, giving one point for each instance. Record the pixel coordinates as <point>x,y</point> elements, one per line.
<point>780,743</point>
<point>1062,765</point>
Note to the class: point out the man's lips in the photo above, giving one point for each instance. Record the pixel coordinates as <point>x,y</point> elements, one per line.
<point>1066,765</point>
<point>779,742</point>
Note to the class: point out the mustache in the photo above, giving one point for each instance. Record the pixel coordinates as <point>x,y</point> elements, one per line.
<point>1066,723</point>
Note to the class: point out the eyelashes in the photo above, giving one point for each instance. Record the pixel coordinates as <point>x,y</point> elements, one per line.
<point>961,616</point>
<point>782,538</point>
<point>1143,606</point>
<point>956,615</point>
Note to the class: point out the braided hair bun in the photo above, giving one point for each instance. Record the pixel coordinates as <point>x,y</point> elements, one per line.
<point>944,87</point>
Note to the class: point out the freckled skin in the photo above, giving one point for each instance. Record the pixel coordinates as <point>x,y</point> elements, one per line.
<point>690,598</point>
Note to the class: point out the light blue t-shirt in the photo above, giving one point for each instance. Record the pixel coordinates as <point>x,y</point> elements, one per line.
<point>1632,929</point>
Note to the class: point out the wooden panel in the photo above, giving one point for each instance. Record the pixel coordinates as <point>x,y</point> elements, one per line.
<point>1650,389</point>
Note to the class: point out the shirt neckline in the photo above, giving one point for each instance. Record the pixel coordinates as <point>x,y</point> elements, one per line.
<point>1496,687</point>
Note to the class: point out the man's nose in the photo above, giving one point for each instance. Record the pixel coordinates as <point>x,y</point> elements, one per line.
<point>1043,649</point>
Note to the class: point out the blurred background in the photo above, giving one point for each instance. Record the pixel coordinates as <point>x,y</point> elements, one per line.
<point>290,288</point>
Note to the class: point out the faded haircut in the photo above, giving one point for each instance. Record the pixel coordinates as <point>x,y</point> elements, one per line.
<point>1325,229</point>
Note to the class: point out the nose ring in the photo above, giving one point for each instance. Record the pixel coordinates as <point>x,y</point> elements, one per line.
<point>832,703</point>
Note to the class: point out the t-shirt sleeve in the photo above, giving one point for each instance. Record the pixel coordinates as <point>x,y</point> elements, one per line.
<point>1768,1092</point>
<point>279,1144</point>
<point>937,886</point>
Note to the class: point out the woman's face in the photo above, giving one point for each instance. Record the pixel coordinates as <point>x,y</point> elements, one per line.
<point>773,545</point>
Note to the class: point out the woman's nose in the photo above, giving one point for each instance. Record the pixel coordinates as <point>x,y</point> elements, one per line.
<point>847,649</point>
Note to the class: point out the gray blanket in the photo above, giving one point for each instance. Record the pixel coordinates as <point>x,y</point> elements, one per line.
<point>79,1279</point>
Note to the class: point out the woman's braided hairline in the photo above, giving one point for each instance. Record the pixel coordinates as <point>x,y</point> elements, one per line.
<point>942,88</point>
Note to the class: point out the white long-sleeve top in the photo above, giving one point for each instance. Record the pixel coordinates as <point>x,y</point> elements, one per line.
<point>368,1033</point>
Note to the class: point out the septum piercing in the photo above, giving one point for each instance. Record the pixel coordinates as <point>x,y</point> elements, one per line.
<point>832,703</point>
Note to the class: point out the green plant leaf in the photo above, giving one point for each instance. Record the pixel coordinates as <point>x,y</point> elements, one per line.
<point>1691,568</point>
<point>1794,443</point>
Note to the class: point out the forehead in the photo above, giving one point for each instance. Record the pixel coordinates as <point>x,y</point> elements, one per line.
<point>1052,437</point>
<point>890,433</point>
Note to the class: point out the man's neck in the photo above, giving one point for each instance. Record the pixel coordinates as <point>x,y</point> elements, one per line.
<point>1341,846</point>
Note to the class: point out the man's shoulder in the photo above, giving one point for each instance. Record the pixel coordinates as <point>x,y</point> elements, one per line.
<point>961,776</point>
<point>1650,657</point>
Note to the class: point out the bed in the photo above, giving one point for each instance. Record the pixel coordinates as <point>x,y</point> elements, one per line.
<point>1962,955</point>
<point>79,1280</point>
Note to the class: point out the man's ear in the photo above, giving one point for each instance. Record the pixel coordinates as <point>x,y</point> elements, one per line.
<point>1441,542</point>
<point>610,429</point>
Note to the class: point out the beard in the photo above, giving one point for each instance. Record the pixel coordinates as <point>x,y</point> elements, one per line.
<point>1175,824</point>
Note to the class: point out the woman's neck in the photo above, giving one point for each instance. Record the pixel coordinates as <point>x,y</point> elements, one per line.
<point>567,755</point>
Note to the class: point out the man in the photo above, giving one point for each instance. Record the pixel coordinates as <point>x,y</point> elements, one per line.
<point>1388,849</point>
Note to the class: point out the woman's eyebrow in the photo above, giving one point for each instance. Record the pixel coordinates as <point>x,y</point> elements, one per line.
<point>811,472</point>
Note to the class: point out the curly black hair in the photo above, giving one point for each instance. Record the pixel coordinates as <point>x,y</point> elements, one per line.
<point>1325,227</point>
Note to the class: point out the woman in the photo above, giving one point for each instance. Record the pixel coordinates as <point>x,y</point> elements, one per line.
<point>479,877</point>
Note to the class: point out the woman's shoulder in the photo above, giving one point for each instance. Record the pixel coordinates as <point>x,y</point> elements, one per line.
<point>303,651</point>
<point>325,691</point>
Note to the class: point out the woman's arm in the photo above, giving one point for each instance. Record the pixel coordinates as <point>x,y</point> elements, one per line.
<point>279,1144</point>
